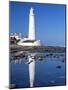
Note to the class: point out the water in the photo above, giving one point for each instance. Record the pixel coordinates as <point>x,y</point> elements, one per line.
<point>48,72</point>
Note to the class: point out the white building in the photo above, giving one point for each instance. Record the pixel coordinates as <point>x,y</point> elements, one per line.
<point>17,36</point>
<point>31,40</point>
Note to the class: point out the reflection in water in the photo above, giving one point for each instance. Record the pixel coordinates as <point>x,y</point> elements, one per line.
<point>31,69</point>
<point>43,69</point>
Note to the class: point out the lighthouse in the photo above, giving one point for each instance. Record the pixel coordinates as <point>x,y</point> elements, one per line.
<point>31,25</point>
<point>31,39</point>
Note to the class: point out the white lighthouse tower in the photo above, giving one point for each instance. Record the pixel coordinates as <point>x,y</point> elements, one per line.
<point>31,25</point>
<point>31,40</point>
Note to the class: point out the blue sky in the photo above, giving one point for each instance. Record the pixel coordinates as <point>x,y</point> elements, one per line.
<point>49,21</point>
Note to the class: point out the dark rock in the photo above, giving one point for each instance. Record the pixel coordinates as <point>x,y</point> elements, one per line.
<point>58,66</point>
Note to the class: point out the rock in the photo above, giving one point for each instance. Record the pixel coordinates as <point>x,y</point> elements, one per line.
<point>58,66</point>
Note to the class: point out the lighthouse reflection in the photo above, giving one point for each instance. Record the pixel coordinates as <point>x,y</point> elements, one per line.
<point>31,62</point>
<point>32,57</point>
<point>29,59</point>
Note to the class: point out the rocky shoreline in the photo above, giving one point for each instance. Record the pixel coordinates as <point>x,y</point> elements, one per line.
<point>16,48</point>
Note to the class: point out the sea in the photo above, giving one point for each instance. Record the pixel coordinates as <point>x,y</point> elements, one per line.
<point>50,70</point>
